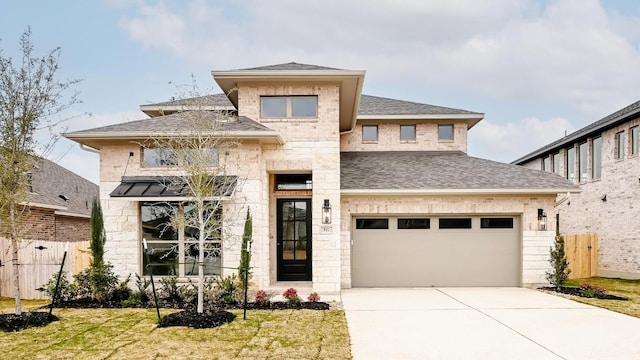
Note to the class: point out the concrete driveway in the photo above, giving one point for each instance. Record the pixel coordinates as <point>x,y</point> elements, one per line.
<point>483,323</point>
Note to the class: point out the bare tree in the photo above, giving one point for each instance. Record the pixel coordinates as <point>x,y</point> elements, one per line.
<point>197,150</point>
<point>30,95</point>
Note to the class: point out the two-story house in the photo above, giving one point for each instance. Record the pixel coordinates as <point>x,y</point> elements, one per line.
<point>346,190</point>
<point>603,159</point>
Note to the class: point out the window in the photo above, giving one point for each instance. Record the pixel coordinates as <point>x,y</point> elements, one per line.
<point>369,132</point>
<point>175,251</point>
<point>159,157</point>
<point>445,132</point>
<point>634,140</point>
<point>582,161</point>
<point>293,181</point>
<point>29,178</point>
<point>289,106</point>
<point>372,224</point>
<point>571,163</point>
<point>620,145</point>
<point>419,223</point>
<point>546,164</point>
<point>596,158</point>
<point>407,133</point>
<point>555,161</point>
<point>496,223</point>
<point>453,223</point>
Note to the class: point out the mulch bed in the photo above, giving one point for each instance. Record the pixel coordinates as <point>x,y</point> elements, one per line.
<point>191,318</point>
<point>13,322</point>
<point>573,290</point>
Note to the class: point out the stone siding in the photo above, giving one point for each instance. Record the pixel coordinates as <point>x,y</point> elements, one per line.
<point>535,244</point>
<point>389,138</point>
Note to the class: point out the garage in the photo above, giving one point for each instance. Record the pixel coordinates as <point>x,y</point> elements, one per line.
<point>431,250</point>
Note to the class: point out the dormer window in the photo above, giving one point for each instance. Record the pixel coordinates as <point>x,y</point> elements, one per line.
<point>289,106</point>
<point>445,132</point>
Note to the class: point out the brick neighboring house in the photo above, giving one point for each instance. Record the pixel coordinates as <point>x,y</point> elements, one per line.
<point>603,159</point>
<point>346,190</point>
<point>59,207</point>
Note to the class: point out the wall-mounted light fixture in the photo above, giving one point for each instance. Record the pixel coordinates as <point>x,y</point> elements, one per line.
<point>326,212</point>
<point>542,220</point>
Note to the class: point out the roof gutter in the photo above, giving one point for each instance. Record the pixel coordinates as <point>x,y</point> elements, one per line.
<point>89,149</point>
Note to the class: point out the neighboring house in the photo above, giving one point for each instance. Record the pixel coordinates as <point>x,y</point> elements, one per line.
<point>346,190</point>
<point>603,159</point>
<point>58,210</point>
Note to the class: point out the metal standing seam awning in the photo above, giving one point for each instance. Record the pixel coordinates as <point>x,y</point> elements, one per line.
<point>145,188</point>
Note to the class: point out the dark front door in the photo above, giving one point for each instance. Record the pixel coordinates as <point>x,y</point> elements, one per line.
<point>294,239</point>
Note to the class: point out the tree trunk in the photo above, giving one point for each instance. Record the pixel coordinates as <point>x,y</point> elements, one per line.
<point>14,251</point>
<point>201,257</point>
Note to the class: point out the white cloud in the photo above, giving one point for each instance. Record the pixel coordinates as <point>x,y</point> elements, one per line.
<point>498,141</point>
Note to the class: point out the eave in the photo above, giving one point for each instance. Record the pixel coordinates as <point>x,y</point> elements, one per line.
<point>470,119</point>
<point>453,192</point>
<point>350,82</point>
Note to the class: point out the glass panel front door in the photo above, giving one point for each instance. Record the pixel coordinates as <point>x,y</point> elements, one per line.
<point>294,239</point>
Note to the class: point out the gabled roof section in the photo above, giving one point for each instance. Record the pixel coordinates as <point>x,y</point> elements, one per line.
<point>441,172</point>
<point>240,127</point>
<point>291,66</point>
<point>218,102</point>
<point>376,107</point>
<point>594,129</point>
<point>350,82</point>
<point>51,180</point>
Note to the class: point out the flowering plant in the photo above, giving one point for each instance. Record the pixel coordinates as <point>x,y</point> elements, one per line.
<point>592,291</point>
<point>291,295</point>
<point>263,297</point>
<point>314,297</point>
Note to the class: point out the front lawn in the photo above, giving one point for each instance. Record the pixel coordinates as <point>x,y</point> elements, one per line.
<point>133,334</point>
<point>625,288</point>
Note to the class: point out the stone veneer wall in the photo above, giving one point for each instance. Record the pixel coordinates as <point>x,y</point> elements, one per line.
<point>535,244</point>
<point>615,220</point>
<point>311,145</point>
<point>389,138</point>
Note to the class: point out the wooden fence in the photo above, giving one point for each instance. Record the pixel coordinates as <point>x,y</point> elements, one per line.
<point>38,266</point>
<point>582,255</point>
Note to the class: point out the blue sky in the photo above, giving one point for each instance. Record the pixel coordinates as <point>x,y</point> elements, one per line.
<point>535,68</point>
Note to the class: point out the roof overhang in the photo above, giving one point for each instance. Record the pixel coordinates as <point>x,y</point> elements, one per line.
<point>97,140</point>
<point>471,119</point>
<point>44,206</point>
<point>64,213</point>
<point>451,192</point>
<point>350,82</point>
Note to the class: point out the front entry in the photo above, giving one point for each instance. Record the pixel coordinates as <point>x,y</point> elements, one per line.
<point>294,239</point>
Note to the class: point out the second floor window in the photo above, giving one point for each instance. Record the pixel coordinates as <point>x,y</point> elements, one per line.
<point>571,163</point>
<point>369,132</point>
<point>168,157</point>
<point>289,106</point>
<point>634,140</point>
<point>620,145</point>
<point>445,132</point>
<point>596,158</point>
<point>582,161</point>
<point>407,133</point>
<point>555,162</point>
<point>545,164</point>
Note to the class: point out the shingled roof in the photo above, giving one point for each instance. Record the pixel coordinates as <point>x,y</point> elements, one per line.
<point>591,130</point>
<point>218,100</point>
<point>51,180</point>
<point>442,170</point>
<point>376,105</point>
<point>290,66</point>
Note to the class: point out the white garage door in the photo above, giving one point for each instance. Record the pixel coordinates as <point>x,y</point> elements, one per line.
<point>436,251</point>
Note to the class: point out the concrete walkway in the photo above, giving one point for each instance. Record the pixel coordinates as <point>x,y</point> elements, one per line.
<point>483,323</point>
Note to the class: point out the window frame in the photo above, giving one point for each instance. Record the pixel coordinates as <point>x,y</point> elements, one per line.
<point>180,244</point>
<point>413,138</point>
<point>440,138</point>
<point>619,145</point>
<point>289,106</point>
<point>368,140</point>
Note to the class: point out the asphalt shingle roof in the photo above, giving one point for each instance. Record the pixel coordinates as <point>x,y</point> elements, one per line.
<point>291,66</point>
<point>174,123</point>
<point>51,180</point>
<point>376,105</point>
<point>439,170</point>
<point>220,100</point>
<point>592,129</point>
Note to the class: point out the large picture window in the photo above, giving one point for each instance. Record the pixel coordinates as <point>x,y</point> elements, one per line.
<point>289,106</point>
<point>173,248</point>
<point>167,157</point>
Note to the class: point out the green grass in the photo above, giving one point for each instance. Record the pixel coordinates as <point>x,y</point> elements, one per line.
<point>133,334</point>
<point>620,287</point>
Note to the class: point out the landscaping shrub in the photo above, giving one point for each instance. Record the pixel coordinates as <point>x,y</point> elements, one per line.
<point>263,297</point>
<point>314,297</point>
<point>291,295</point>
<point>560,271</point>
<point>66,290</point>
<point>592,291</point>
<point>228,289</point>
<point>169,288</point>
